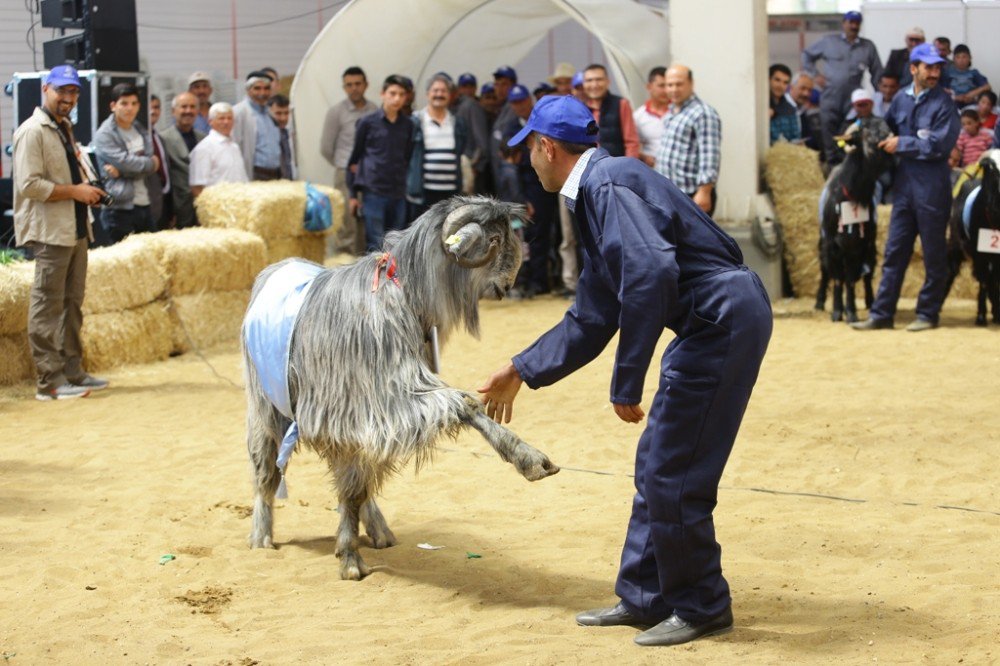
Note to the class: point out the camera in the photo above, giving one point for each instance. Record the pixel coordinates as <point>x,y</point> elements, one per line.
<point>107,199</point>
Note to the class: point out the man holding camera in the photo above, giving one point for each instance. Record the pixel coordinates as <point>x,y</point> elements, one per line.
<point>125,156</point>
<point>51,217</point>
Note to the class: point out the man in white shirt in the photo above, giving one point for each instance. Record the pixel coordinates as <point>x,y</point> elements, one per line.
<point>649,117</point>
<point>217,158</point>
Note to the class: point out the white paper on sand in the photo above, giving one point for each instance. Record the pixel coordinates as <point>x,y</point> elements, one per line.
<point>427,546</point>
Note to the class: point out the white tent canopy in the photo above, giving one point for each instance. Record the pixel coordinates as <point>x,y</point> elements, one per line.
<point>420,37</point>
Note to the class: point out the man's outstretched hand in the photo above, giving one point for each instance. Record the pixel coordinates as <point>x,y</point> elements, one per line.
<point>499,392</point>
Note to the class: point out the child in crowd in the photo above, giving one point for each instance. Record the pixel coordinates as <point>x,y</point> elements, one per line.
<point>985,104</point>
<point>971,143</point>
<point>509,185</point>
<point>965,81</point>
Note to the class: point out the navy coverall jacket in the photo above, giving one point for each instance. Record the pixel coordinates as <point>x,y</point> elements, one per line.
<point>654,260</point>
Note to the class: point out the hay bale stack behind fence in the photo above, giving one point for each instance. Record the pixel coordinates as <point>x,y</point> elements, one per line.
<point>15,358</point>
<point>136,335</point>
<point>273,210</point>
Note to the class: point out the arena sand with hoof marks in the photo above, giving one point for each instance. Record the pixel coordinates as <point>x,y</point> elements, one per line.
<point>859,517</point>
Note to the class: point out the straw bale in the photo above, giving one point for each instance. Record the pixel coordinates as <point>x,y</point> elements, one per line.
<point>123,276</point>
<point>312,247</point>
<point>137,335</point>
<point>197,260</point>
<point>15,295</point>
<point>15,358</point>
<point>209,318</point>
<point>270,209</point>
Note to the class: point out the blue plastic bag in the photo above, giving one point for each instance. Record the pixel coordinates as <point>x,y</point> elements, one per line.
<point>319,215</point>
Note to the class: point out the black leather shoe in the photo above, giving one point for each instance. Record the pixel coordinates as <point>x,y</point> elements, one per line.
<point>676,630</point>
<point>871,324</point>
<point>609,617</point>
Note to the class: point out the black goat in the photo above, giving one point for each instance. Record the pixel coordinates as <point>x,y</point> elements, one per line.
<point>975,232</point>
<point>847,218</point>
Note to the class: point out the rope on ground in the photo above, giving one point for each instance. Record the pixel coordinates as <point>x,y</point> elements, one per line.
<point>197,350</point>
<point>769,491</point>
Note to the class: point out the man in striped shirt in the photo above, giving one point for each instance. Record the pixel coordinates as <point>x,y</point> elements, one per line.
<point>440,137</point>
<point>689,151</point>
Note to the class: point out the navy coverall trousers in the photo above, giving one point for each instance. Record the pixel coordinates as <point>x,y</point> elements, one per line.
<point>671,561</point>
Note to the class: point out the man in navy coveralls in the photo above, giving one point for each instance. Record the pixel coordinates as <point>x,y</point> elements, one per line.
<point>652,260</point>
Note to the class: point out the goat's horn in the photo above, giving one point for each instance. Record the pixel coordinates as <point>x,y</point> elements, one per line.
<point>454,221</point>
<point>490,255</point>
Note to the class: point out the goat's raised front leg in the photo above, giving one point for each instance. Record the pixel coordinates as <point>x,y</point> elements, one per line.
<point>529,461</point>
<point>375,525</point>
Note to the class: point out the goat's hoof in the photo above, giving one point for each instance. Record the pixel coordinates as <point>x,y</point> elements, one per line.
<point>852,317</point>
<point>820,305</point>
<point>352,567</point>
<point>385,539</point>
<point>981,320</point>
<point>533,464</point>
<point>260,541</point>
<point>836,315</point>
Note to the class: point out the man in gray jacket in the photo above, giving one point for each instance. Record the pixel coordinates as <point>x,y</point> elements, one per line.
<point>179,140</point>
<point>125,157</point>
<point>51,196</point>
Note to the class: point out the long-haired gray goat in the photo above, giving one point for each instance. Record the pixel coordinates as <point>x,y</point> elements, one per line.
<point>359,384</point>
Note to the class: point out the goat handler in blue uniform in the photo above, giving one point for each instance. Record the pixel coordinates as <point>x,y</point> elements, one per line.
<point>652,260</point>
<point>924,119</point>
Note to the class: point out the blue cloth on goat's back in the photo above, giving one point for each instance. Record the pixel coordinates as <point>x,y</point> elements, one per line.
<point>269,324</point>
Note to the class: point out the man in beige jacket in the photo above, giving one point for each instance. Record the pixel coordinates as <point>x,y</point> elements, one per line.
<point>51,195</point>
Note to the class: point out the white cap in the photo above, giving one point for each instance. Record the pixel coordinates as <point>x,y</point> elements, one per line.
<point>861,95</point>
<point>199,76</point>
<point>915,32</point>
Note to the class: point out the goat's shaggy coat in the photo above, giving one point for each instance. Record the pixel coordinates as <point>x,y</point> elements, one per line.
<point>362,392</point>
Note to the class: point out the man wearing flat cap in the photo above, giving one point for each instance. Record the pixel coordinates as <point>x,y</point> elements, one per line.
<point>652,260</point>
<point>845,58</point>
<point>254,131</point>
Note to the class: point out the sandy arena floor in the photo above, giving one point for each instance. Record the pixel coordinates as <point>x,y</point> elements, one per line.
<point>859,516</point>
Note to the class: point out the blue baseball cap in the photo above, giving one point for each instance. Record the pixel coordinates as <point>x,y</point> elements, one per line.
<point>853,16</point>
<point>518,93</point>
<point>63,75</point>
<point>577,80</point>
<point>925,53</point>
<point>487,88</point>
<point>505,72</point>
<point>467,79</point>
<point>562,117</point>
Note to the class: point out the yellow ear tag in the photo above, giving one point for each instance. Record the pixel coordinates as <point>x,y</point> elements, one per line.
<point>841,143</point>
<point>452,240</point>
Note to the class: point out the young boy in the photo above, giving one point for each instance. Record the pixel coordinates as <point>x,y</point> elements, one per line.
<point>383,144</point>
<point>971,143</point>
<point>987,100</point>
<point>965,81</point>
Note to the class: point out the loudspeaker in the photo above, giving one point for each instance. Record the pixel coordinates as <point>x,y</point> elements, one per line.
<point>62,14</point>
<point>108,41</point>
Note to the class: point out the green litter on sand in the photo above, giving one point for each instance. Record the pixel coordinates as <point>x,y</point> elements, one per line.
<point>473,556</point>
<point>166,558</point>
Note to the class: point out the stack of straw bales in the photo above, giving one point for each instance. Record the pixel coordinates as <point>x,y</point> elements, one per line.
<point>125,316</point>
<point>273,210</point>
<point>209,276</point>
<point>15,291</point>
<point>147,297</point>
<point>795,181</point>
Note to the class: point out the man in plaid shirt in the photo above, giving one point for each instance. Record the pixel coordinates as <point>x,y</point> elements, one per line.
<point>692,134</point>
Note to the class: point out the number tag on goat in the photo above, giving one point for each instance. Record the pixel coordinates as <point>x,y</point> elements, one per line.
<point>852,213</point>
<point>989,241</point>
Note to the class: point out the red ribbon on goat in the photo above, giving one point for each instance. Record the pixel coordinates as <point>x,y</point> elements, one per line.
<point>388,262</point>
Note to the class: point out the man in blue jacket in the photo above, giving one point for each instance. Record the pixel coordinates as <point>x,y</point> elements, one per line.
<point>652,260</point>
<point>926,125</point>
